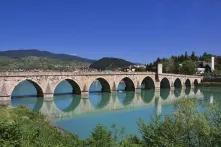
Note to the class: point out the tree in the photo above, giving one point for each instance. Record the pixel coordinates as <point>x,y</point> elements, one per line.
<point>188,67</point>
<point>100,137</point>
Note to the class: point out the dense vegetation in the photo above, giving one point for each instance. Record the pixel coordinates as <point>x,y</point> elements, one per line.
<point>185,64</point>
<point>185,127</point>
<point>110,64</point>
<point>24,60</point>
<point>20,127</point>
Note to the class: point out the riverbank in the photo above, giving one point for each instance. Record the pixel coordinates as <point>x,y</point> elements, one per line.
<point>22,127</point>
<point>214,81</point>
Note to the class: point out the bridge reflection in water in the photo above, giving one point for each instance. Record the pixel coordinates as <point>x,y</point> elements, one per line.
<point>68,105</point>
<point>80,114</point>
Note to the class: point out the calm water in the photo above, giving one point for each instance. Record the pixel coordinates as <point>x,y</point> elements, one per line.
<point>117,110</point>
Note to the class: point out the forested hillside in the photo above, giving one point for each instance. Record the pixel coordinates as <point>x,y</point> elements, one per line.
<point>185,63</point>
<point>110,64</point>
<point>16,60</point>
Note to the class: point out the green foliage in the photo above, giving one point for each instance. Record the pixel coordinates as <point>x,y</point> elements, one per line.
<point>100,137</point>
<point>188,67</point>
<point>21,127</point>
<point>186,127</point>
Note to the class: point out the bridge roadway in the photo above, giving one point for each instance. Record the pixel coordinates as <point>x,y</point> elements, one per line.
<point>46,82</point>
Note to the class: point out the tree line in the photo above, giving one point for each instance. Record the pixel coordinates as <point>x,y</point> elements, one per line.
<point>184,63</point>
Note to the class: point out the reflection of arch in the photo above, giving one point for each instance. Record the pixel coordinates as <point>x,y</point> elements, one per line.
<point>187,90</point>
<point>164,93</point>
<point>60,89</point>
<point>165,83</point>
<point>188,83</point>
<point>101,84</point>
<point>147,95</point>
<point>177,92</point>
<point>147,83</point>
<point>195,90</point>
<point>126,97</point>
<point>127,83</point>
<point>195,83</point>
<point>99,100</point>
<point>71,100</point>
<point>177,83</point>
<point>39,91</point>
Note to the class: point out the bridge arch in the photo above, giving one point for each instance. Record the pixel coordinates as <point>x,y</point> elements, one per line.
<point>188,83</point>
<point>20,86</point>
<point>29,89</point>
<point>196,83</point>
<point>70,87</point>
<point>126,84</point>
<point>147,83</point>
<point>165,83</point>
<point>178,83</point>
<point>100,85</point>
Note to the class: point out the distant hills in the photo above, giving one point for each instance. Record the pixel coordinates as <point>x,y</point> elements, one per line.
<point>108,63</point>
<point>33,59</point>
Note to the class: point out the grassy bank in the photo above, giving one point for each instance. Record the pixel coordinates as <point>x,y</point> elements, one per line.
<point>21,127</point>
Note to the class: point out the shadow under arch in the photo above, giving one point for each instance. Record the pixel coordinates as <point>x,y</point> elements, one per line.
<point>165,83</point>
<point>67,86</point>
<point>147,95</point>
<point>188,83</point>
<point>126,84</point>
<point>99,85</point>
<point>147,83</point>
<point>196,83</point>
<point>99,100</point>
<point>177,87</point>
<point>164,88</point>
<point>178,83</point>
<point>27,93</point>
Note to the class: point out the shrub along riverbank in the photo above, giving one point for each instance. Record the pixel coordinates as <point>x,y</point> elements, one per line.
<point>185,127</point>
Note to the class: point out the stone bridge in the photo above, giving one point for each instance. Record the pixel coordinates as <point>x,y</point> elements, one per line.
<point>46,82</point>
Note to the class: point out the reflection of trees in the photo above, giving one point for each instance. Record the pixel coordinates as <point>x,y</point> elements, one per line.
<point>164,93</point>
<point>126,97</point>
<point>99,100</point>
<point>147,95</point>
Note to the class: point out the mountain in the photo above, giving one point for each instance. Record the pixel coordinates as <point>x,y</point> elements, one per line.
<point>34,59</point>
<point>108,63</point>
<point>38,53</point>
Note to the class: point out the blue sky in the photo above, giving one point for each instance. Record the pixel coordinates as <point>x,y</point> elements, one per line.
<point>136,30</point>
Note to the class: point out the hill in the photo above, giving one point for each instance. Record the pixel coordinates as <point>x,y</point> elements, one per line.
<point>34,59</point>
<point>108,63</point>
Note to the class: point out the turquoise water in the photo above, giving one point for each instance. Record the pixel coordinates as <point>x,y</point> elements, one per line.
<point>117,110</point>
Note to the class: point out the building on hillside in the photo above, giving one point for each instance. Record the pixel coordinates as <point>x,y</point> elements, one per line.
<point>207,67</point>
<point>134,68</point>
